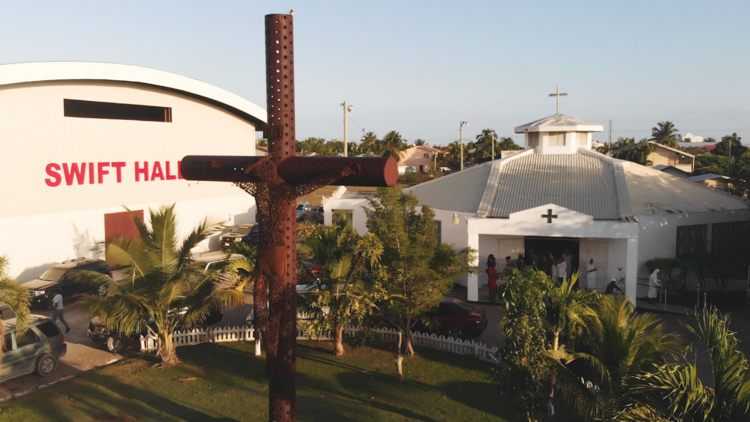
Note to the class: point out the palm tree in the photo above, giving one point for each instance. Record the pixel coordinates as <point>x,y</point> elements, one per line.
<point>368,143</point>
<point>15,297</point>
<point>338,292</point>
<point>391,145</point>
<point>163,286</point>
<point>626,346</point>
<point>484,144</point>
<point>680,392</point>
<point>570,314</point>
<point>664,133</point>
<point>420,143</point>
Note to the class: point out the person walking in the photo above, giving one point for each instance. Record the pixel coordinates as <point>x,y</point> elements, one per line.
<point>653,284</point>
<point>568,258</point>
<point>591,275</point>
<point>57,310</point>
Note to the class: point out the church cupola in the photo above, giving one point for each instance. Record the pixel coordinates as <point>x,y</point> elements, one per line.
<point>558,134</point>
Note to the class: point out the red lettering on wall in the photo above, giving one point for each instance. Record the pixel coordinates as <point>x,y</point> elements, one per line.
<point>156,172</point>
<point>91,173</point>
<point>101,171</point>
<point>179,170</point>
<point>52,170</point>
<point>170,176</point>
<point>141,171</point>
<point>118,165</point>
<point>74,170</point>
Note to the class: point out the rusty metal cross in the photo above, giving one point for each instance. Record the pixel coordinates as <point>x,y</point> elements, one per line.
<point>276,181</point>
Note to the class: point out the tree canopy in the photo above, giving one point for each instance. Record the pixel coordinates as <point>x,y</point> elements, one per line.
<point>665,133</point>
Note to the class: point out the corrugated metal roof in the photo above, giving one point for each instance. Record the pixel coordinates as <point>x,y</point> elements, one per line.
<point>579,182</point>
<point>557,122</point>
<point>461,191</point>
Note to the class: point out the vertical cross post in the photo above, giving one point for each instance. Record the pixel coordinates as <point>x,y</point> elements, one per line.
<point>558,95</point>
<point>276,181</point>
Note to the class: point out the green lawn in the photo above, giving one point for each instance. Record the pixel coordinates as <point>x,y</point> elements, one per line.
<point>360,386</point>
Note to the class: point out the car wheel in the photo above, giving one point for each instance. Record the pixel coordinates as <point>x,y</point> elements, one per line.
<point>101,290</point>
<point>116,344</point>
<point>455,333</point>
<point>46,365</point>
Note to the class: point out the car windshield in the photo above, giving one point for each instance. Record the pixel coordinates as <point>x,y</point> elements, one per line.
<point>463,307</point>
<point>300,207</point>
<point>53,274</point>
<point>241,230</point>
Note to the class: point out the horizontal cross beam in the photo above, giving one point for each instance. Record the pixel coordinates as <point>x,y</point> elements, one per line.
<point>293,170</point>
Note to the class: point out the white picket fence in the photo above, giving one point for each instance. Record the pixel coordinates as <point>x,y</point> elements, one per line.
<point>231,334</point>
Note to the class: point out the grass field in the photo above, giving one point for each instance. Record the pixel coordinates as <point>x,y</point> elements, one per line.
<point>223,382</point>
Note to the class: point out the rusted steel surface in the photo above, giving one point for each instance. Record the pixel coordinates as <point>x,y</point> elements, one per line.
<point>294,170</point>
<point>276,181</point>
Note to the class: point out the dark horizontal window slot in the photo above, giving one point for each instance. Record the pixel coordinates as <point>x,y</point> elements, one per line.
<point>101,110</point>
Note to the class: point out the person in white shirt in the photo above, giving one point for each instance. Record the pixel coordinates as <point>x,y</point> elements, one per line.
<point>619,277</point>
<point>562,268</point>
<point>58,311</point>
<point>653,284</point>
<point>591,275</point>
<point>554,270</point>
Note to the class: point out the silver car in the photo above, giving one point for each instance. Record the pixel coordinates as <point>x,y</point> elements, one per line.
<point>36,350</point>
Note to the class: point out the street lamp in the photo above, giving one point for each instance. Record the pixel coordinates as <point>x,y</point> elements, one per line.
<point>347,108</point>
<point>494,137</point>
<point>461,129</point>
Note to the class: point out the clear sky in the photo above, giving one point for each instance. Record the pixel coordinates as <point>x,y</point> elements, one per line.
<point>420,67</point>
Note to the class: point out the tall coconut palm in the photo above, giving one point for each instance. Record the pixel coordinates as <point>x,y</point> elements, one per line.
<point>368,143</point>
<point>391,145</point>
<point>163,285</point>
<point>420,143</point>
<point>679,392</point>
<point>664,133</point>
<point>626,346</point>
<point>338,292</point>
<point>15,297</point>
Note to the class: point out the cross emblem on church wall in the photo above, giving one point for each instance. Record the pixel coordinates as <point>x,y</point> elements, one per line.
<point>549,216</point>
<point>558,95</point>
<point>276,181</point>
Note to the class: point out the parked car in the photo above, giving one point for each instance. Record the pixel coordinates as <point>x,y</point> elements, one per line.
<point>61,277</point>
<point>117,342</point>
<point>247,232</point>
<point>317,215</point>
<point>36,350</point>
<point>456,319</point>
<point>303,210</point>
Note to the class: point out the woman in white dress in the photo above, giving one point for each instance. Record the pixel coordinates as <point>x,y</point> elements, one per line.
<point>653,284</point>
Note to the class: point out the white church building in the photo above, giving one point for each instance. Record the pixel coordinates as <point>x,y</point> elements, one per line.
<point>559,194</point>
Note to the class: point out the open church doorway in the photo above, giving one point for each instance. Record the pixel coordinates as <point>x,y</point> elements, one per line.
<point>554,245</point>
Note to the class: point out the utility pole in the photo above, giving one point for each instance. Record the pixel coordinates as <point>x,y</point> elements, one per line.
<point>610,138</point>
<point>494,136</point>
<point>347,109</point>
<point>461,129</point>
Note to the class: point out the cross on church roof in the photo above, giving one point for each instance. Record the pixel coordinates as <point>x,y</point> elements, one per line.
<point>558,95</point>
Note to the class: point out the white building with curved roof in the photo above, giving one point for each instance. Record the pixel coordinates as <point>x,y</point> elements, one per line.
<point>558,194</point>
<point>78,141</point>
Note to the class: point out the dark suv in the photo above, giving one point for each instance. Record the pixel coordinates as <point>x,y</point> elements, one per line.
<point>247,233</point>
<point>61,277</point>
<point>36,350</point>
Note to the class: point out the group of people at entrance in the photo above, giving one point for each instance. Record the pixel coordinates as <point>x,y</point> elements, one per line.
<point>557,269</point>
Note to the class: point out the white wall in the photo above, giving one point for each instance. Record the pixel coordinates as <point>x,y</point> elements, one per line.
<point>42,215</point>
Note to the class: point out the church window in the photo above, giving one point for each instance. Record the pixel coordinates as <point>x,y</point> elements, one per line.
<point>439,231</point>
<point>533,139</point>
<point>691,240</point>
<point>116,111</point>
<point>556,139</point>
<point>730,238</point>
<point>583,138</point>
